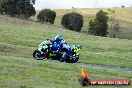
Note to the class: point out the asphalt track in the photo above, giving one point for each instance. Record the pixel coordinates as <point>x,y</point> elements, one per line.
<point>107,67</point>
<point>93,65</point>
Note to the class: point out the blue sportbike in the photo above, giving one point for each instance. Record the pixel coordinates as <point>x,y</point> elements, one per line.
<point>55,52</point>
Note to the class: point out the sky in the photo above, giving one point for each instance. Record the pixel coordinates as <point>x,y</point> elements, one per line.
<point>66,4</point>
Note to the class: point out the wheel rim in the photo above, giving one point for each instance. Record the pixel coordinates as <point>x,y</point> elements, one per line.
<point>38,56</point>
<point>73,57</point>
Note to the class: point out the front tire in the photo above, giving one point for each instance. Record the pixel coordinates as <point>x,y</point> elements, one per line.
<point>37,55</point>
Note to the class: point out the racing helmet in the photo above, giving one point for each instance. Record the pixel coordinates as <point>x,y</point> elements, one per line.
<point>58,38</point>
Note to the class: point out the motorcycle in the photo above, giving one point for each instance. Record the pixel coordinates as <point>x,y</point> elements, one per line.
<point>73,57</point>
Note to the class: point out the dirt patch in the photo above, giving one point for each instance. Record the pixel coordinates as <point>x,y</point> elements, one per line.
<point>7,50</point>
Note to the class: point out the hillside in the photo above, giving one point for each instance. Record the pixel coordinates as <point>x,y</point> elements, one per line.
<point>18,39</point>
<point>122,15</point>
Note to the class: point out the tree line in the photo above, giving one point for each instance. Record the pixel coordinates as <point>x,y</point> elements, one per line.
<point>18,8</point>
<point>73,20</point>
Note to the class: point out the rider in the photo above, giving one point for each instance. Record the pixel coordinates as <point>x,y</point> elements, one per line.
<point>61,42</point>
<point>71,48</point>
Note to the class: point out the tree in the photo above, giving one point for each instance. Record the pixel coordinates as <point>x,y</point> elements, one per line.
<point>27,10</point>
<point>114,29</point>
<point>1,7</point>
<point>114,24</point>
<point>91,27</point>
<point>72,21</point>
<point>18,8</point>
<point>122,6</point>
<point>46,15</point>
<point>99,26</point>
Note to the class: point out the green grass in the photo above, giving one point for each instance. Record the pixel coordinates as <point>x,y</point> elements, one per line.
<point>19,38</point>
<point>27,36</point>
<point>20,72</point>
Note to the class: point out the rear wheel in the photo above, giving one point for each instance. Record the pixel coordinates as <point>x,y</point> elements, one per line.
<point>72,58</point>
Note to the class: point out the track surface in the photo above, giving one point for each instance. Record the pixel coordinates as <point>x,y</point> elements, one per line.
<point>95,65</point>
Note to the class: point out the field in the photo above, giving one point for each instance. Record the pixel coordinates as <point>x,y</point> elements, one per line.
<point>122,15</point>
<point>19,38</point>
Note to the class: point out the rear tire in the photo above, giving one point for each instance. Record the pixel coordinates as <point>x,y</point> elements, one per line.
<point>72,58</point>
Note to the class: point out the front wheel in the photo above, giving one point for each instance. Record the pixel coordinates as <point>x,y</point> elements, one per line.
<point>72,58</point>
<point>37,55</point>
